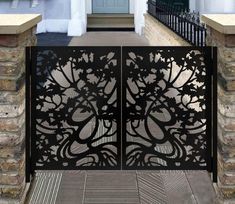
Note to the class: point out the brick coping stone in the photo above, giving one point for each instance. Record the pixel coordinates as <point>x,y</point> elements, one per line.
<point>224,23</point>
<point>18,23</point>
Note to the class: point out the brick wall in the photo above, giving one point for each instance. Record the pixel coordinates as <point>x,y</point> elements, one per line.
<point>226,108</point>
<point>217,36</point>
<point>159,35</point>
<point>12,115</point>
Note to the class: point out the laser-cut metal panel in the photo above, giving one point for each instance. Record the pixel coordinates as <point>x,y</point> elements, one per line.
<point>76,108</point>
<point>166,108</point>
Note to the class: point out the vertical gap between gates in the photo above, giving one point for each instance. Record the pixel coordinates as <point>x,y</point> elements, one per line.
<point>121,100</point>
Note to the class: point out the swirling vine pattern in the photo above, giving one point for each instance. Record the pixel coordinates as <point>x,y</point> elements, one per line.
<point>165,108</point>
<point>76,108</point>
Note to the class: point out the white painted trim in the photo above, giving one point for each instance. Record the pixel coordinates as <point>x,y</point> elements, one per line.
<point>76,27</point>
<point>89,6</point>
<point>53,25</point>
<point>140,10</point>
<point>41,27</point>
<point>131,6</point>
<point>78,23</point>
<point>57,25</point>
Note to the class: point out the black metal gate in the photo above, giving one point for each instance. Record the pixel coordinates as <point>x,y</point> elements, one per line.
<point>120,108</point>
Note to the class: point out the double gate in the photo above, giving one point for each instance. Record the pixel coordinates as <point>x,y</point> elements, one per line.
<point>120,108</point>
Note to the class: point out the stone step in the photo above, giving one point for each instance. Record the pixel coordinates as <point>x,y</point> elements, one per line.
<point>110,21</point>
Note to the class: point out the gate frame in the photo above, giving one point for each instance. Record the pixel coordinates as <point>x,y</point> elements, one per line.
<point>213,140</point>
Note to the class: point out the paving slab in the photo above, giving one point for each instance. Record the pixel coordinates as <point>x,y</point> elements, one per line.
<point>151,188</point>
<point>53,39</point>
<point>93,39</point>
<point>121,187</point>
<point>178,189</point>
<point>72,188</point>
<point>109,39</point>
<point>200,183</point>
<point>45,188</point>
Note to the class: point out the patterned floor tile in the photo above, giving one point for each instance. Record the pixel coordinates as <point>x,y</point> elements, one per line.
<point>115,180</point>
<point>178,189</point>
<point>72,188</point>
<point>111,187</point>
<point>45,188</point>
<point>121,187</point>
<point>111,196</point>
<point>200,183</point>
<point>151,188</point>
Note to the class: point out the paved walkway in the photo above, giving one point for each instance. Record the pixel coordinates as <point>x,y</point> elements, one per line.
<point>122,187</point>
<point>53,39</point>
<point>109,39</point>
<point>93,39</point>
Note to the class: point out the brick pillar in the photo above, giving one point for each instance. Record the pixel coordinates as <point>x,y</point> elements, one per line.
<point>221,33</point>
<point>16,32</point>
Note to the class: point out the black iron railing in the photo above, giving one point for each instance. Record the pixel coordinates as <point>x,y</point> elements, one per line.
<point>183,4</point>
<point>180,20</point>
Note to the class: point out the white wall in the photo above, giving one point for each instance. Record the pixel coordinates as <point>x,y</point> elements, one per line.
<point>24,6</point>
<point>192,5</point>
<point>204,6</point>
<point>58,15</point>
<point>229,6</point>
<point>213,6</point>
<point>57,9</point>
<point>55,13</point>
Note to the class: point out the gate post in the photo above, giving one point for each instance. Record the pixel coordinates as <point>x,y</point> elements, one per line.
<point>16,32</point>
<point>221,33</point>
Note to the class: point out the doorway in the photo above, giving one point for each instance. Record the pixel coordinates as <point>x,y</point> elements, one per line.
<point>110,6</point>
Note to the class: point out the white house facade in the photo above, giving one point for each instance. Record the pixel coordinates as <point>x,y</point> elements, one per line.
<point>213,6</point>
<point>70,16</point>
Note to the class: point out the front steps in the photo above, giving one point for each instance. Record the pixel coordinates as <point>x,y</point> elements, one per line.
<point>110,22</point>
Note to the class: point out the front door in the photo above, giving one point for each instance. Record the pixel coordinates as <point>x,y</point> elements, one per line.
<point>110,6</point>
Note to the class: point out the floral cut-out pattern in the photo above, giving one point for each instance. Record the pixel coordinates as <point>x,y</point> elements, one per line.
<point>76,108</point>
<point>165,108</point>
